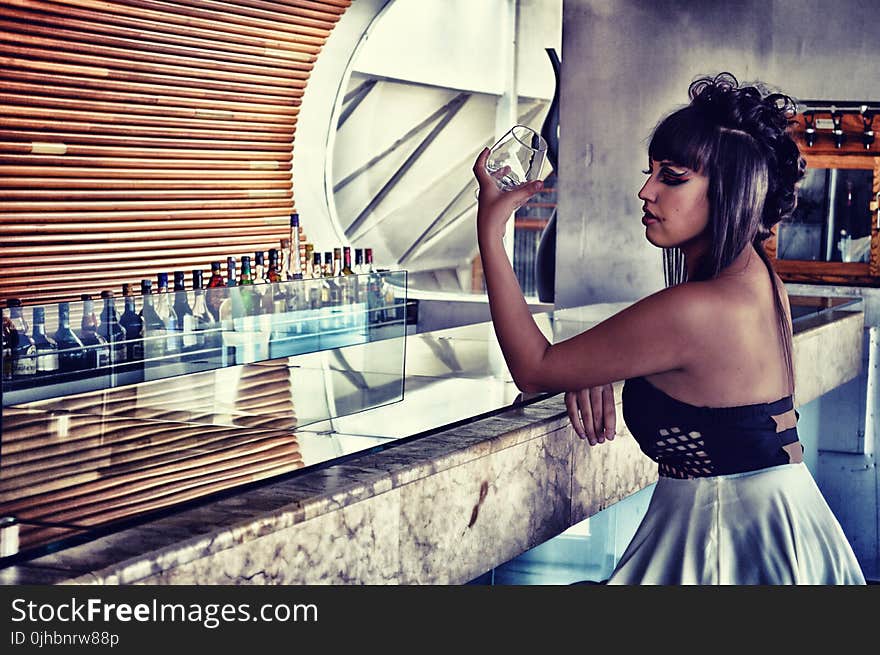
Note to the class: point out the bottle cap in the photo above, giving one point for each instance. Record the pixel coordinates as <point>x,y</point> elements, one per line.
<point>85,296</point>
<point>294,220</point>
<point>146,286</point>
<point>13,302</point>
<point>179,280</point>
<point>106,293</point>
<point>162,278</point>
<point>126,289</point>
<point>215,266</point>
<point>197,279</point>
<point>258,257</point>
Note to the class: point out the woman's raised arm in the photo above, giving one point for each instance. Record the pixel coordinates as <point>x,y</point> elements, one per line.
<point>654,335</point>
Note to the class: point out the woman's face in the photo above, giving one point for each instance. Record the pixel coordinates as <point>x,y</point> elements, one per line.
<point>676,204</point>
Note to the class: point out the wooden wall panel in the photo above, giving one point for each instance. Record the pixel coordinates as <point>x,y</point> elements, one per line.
<point>142,136</point>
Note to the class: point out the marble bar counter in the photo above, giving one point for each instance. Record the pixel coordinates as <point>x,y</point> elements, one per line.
<point>460,476</point>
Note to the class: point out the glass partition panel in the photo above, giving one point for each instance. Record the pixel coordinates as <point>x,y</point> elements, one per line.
<point>69,348</point>
<point>88,451</point>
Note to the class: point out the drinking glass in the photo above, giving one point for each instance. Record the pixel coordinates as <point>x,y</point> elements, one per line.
<point>522,151</point>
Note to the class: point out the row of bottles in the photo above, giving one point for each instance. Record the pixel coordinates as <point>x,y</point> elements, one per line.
<point>28,352</point>
<point>333,294</point>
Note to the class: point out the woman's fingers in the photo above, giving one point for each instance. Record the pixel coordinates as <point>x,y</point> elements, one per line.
<point>592,413</point>
<point>583,402</point>
<point>595,395</point>
<point>480,171</point>
<point>609,412</point>
<point>578,408</point>
<point>574,414</point>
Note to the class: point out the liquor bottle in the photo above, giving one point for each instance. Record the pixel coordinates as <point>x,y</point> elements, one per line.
<point>162,304</point>
<point>348,285</point>
<point>205,329</point>
<point>273,274</point>
<point>271,298</point>
<point>133,325</point>
<point>337,286</point>
<point>250,299</point>
<point>262,290</point>
<point>183,311</point>
<point>346,261</point>
<point>295,297</point>
<point>309,253</point>
<point>348,271</point>
<point>284,256</point>
<point>97,350</point>
<point>10,336</point>
<point>216,279</point>
<point>315,287</point>
<point>47,348</point>
<point>71,354</point>
<point>112,332</point>
<point>327,275</point>
<point>24,351</point>
<point>246,274</point>
<point>214,296</point>
<point>259,268</point>
<point>153,325</point>
<point>231,307</point>
<point>295,262</point>
<point>337,261</point>
<point>363,279</point>
<point>375,300</point>
<point>231,279</point>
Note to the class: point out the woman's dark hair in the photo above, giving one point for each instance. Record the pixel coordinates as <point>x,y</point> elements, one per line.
<point>738,136</point>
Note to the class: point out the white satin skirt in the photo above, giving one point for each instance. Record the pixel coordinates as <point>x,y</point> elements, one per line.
<point>766,527</point>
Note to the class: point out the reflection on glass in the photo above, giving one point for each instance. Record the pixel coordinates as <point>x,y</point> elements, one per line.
<point>60,477</point>
<point>832,220</point>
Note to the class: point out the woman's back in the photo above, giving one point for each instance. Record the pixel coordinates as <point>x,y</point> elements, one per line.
<point>739,355</point>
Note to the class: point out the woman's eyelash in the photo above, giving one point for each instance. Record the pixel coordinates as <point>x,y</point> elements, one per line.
<point>668,176</point>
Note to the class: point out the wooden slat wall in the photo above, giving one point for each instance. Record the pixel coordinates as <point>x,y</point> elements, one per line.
<point>141,136</point>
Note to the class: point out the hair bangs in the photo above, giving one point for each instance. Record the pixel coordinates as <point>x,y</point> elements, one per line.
<point>685,138</point>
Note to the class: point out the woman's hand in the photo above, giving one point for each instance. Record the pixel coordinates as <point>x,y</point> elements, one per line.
<point>592,413</point>
<point>496,206</point>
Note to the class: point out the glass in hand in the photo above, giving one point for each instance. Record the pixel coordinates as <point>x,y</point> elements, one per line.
<point>517,157</point>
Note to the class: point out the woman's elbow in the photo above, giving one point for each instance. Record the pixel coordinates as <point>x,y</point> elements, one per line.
<point>528,385</point>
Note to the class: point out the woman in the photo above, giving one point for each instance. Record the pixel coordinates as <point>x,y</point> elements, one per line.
<point>707,360</point>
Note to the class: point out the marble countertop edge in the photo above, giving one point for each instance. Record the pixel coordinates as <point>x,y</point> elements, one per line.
<point>126,556</point>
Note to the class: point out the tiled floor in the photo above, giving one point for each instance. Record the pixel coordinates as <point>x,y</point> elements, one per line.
<point>844,466</point>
